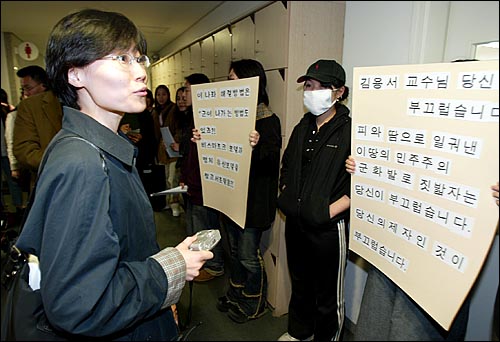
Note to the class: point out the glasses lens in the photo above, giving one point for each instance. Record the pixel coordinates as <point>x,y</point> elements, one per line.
<point>143,60</point>
<point>125,59</point>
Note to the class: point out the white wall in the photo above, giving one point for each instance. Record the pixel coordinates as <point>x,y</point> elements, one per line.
<point>413,32</point>
<point>469,23</point>
<point>394,33</point>
<point>376,33</point>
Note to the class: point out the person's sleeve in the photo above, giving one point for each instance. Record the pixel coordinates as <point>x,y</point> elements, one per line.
<point>156,125</point>
<point>9,140</point>
<point>174,266</point>
<point>86,287</point>
<point>269,146</point>
<point>344,185</point>
<point>26,148</point>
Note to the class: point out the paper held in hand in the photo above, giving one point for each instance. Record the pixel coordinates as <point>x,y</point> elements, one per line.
<point>168,139</point>
<point>177,190</point>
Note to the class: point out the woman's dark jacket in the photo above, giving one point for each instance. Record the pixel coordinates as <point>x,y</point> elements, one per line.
<point>264,174</point>
<point>306,197</point>
<point>92,227</point>
<point>190,173</point>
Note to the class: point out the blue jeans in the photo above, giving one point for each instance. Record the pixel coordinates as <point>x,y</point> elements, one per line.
<point>15,190</point>
<point>248,280</point>
<point>387,313</point>
<point>198,218</point>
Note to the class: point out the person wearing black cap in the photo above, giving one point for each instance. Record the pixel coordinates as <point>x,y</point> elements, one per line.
<point>315,198</point>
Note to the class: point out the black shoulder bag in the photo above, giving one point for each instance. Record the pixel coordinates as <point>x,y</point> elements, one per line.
<point>23,317</point>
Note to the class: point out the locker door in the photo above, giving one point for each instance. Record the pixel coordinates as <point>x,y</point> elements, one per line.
<point>207,57</point>
<point>271,36</point>
<point>222,56</point>
<point>243,40</point>
<point>195,63</point>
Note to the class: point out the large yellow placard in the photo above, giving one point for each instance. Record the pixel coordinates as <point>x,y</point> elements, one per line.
<point>224,112</point>
<point>426,139</point>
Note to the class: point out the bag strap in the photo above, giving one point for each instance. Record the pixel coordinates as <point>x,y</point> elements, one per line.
<point>42,165</point>
<point>16,257</point>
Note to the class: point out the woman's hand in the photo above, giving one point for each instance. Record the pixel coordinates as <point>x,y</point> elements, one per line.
<point>495,191</point>
<point>196,135</point>
<point>135,137</point>
<point>175,146</point>
<point>194,259</point>
<point>254,137</point>
<point>350,165</point>
<point>16,174</point>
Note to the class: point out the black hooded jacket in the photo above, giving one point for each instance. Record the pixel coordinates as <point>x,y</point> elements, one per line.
<point>306,197</point>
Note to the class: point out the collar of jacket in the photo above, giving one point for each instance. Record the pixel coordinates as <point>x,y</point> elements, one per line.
<point>110,142</point>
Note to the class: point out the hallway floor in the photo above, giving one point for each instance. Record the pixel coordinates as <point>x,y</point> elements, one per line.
<point>213,324</point>
<point>208,323</point>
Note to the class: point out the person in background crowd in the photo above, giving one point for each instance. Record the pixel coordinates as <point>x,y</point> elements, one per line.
<point>173,122</point>
<point>38,119</point>
<point>91,224</point>
<point>246,297</point>
<point>33,80</point>
<point>315,198</point>
<point>182,112</point>
<point>162,117</point>
<point>198,216</point>
<point>180,99</point>
<point>15,190</point>
<point>496,324</point>
<point>139,128</point>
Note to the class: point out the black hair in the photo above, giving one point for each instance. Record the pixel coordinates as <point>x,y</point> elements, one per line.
<point>80,39</point>
<point>37,73</point>
<point>149,95</point>
<point>245,68</point>
<point>3,96</point>
<point>197,78</point>
<point>5,105</point>
<point>178,90</point>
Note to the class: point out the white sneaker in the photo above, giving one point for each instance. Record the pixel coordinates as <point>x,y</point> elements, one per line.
<point>176,209</point>
<point>287,337</point>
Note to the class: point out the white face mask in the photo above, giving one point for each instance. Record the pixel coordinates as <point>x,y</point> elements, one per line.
<point>318,101</point>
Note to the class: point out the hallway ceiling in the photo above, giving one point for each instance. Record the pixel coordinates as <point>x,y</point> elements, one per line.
<point>160,21</point>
